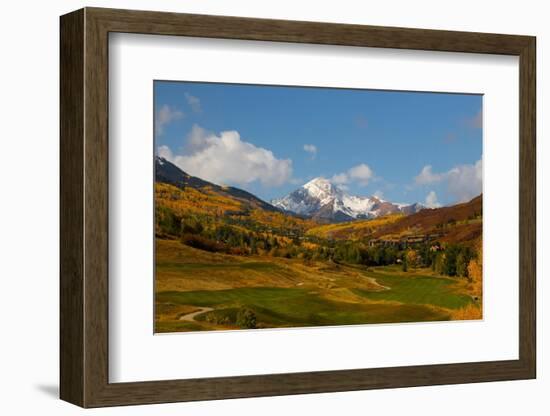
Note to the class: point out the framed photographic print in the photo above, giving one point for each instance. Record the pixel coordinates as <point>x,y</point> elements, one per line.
<point>322,251</point>
<point>261,207</point>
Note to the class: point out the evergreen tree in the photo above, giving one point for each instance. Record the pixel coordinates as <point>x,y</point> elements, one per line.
<point>253,246</point>
<point>451,254</point>
<point>405,265</point>
<point>246,319</point>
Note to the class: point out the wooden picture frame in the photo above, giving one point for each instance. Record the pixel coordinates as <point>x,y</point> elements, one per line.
<point>84,207</point>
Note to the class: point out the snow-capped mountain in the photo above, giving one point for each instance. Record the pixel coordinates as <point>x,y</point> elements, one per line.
<point>321,199</point>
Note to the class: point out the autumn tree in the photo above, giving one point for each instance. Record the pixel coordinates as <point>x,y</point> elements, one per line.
<point>412,258</point>
<point>439,262</point>
<point>475,279</point>
<point>475,270</point>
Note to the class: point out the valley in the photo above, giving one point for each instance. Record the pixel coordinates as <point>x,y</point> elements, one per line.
<point>225,259</point>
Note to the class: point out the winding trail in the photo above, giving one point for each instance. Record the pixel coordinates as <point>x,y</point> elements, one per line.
<point>190,317</point>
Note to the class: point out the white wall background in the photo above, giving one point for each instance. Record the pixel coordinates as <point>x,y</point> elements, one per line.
<point>29,84</point>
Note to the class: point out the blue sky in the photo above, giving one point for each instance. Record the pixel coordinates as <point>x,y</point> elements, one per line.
<point>402,146</point>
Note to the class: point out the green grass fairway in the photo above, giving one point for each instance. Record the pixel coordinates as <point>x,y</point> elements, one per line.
<point>415,289</point>
<point>290,293</point>
<point>286,307</point>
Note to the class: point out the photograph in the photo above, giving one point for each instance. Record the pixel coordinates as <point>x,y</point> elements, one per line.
<point>294,206</point>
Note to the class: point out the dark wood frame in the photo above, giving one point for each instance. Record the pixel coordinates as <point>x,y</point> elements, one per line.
<point>84,207</point>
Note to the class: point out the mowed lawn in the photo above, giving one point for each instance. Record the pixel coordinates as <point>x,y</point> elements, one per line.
<point>284,293</point>
<point>415,288</point>
<point>287,307</point>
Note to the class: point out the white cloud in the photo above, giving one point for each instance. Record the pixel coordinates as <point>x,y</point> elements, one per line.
<point>164,116</point>
<point>226,159</point>
<point>194,102</point>
<point>340,179</point>
<point>311,149</point>
<point>165,152</point>
<point>463,182</point>
<point>426,176</point>
<point>379,194</point>
<point>431,200</point>
<point>196,139</point>
<point>360,174</point>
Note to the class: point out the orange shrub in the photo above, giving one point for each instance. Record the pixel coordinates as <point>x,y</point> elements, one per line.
<point>468,312</point>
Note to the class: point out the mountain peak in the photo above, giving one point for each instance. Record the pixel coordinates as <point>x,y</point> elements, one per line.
<point>321,199</point>
<point>318,181</point>
<point>322,189</point>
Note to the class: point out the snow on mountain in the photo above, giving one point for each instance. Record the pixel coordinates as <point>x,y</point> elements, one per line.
<point>321,199</point>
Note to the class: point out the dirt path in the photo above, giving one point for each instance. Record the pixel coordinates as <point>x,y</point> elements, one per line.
<point>191,316</point>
